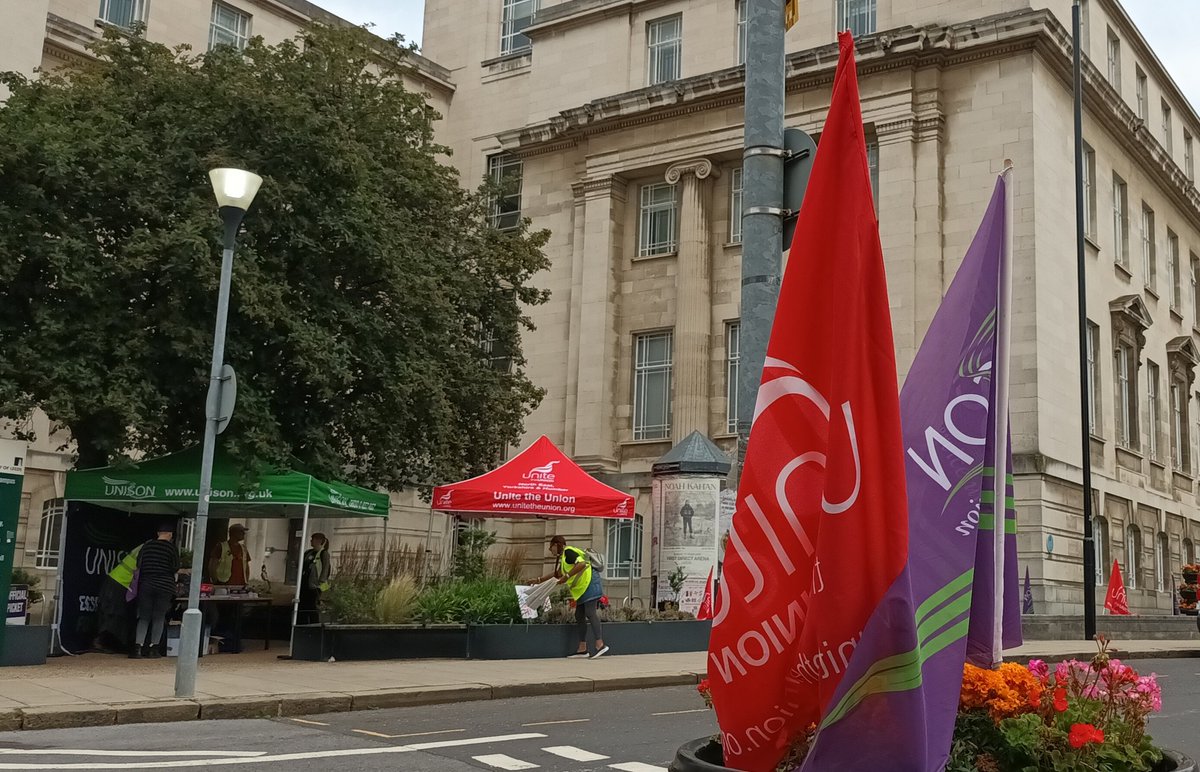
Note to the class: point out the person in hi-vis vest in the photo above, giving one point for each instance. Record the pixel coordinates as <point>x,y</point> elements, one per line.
<point>229,562</point>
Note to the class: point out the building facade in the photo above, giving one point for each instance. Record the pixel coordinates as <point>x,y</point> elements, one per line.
<point>622,119</point>
<point>47,35</point>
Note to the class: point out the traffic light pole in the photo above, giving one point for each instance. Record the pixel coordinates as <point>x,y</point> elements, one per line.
<point>762,196</point>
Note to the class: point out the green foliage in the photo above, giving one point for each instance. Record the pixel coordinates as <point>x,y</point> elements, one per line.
<point>364,279</point>
<point>31,580</point>
<point>396,602</point>
<point>676,579</point>
<point>470,556</point>
<point>352,601</point>
<point>482,601</point>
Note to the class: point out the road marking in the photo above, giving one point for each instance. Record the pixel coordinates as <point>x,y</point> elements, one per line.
<point>500,761</point>
<point>566,721</point>
<point>279,758</point>
<point>637,766</point>
<point>306,721</point>
<point>128,754</point>
<point>678,712</point>
<point>410,734</point>
<point>573,753</point>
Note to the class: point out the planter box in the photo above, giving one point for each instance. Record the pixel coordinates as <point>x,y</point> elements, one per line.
<point>535,641</point>
<point>317,643</point>
<point>25,645</point>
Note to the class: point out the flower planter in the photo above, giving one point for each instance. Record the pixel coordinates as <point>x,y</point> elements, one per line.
<point>25,645</point>
<point>1190,577</point>
<point>317,643</point>
<point>704,755</point>
<point>1188,593</point>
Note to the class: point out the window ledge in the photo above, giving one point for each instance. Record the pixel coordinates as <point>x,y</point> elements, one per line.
<point>645,442</point>
<point>642,258</point>
<point>1098,438</point>
<point>1121,269</point>
<point>515,56</point>
<point>1176,315</point>
<point>1160,464</point>
<point>1150,291</point>
<point>1090,241</point>
<point>732,245</point>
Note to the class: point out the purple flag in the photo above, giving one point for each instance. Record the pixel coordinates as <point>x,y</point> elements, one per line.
<point>901,687</point>
<point>1027,598</point>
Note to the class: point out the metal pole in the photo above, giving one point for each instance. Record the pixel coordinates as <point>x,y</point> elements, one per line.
<point>1085,392</point>
<point>189,633</point>
<point>762,219</point>
<point>300,574</point>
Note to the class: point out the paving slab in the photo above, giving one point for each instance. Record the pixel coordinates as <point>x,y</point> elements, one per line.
<point>68,716</point>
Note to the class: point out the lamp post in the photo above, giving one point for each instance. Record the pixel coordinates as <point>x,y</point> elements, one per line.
<point>235,190</point>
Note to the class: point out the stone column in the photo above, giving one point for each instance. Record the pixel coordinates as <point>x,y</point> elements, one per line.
<point>693,298</point>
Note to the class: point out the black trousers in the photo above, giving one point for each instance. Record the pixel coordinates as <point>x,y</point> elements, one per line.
<point>308,613</point>
<point>587,613</point>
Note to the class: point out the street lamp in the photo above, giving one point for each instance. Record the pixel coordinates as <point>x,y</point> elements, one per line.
<point>235,190</point>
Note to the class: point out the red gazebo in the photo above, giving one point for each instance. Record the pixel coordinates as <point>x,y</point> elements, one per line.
<point>540,481</point>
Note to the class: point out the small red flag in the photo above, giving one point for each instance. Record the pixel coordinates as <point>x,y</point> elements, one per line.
<point>705,611</point>
<point>1115,601</point>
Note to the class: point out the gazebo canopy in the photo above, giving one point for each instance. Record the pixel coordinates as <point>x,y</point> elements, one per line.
<point>540,481</point>
<point>169,485</point>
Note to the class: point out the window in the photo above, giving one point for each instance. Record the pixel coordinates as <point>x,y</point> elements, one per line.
<point>515,16</point>
<point>495,351</point>
<point>504,171</point>
<point>1100,546</point>
<point>624,549</point>
<point>1180,430</point>
<point>733,332</point>
<point>873,171</point>
<point>742,30</point>
<point>1089,191</point>
<point>1189,163</point>
<point>186,533</point>
<point>1152,402</point>
<point>1133,550</point>
<point>49,533</point>
<point>1189,552</point>
<point>1173,275</point>
<point>1162,565</point>
<point>1168,135</point>
<point>1127,405</point>
<point>652,386</point>
<point>664,41</point>
<point>1149,261</point>
<point>735,206</point>
<point>1093,345</point>
<point>1142,98</point>
<point>1084,17</point>
<point>659,229</point>
<point>858,16</point>
<point>1121,221</point>
<point>1114,60</point>
<point>228,27</point>
<point>1195,263</point>
<point>123,13</point>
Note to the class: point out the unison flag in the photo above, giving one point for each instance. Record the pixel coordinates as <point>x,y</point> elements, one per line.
<point>902,686</point>
<point>1116,601</point>
<point>820,530</point>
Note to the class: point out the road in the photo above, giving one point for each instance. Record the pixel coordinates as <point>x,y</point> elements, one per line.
<point>630,731</point>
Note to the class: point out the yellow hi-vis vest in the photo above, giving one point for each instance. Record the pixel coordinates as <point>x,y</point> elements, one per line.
<point>577,584</point>
<point>224,568</point>
<point>123,573</point>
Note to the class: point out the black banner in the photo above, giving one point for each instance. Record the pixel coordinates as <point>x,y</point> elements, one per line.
<point>97,540</point>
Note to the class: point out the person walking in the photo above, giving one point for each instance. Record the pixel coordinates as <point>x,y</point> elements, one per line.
<point>157,565</point>
<point>316,579</point>
<point>574,569</point>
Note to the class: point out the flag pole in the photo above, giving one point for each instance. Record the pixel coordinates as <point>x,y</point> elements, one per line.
<point>1000,418</point>
<point>1085,392</point>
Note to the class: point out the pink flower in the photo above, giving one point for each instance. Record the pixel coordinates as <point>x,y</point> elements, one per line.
<point>1040,669</point>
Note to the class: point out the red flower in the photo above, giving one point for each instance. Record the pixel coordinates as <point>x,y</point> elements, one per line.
<point>1060,699</point>
<point>1082,734</point>
<point>703,687</point>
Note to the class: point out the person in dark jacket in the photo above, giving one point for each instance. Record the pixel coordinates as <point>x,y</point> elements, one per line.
<point>157,565</point>
<point>314,579</point>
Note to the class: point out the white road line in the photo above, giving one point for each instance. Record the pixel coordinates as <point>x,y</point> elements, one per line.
<point>127,754</point>
<point>282,757</point>
<point>573,753</point>
<point>678,712</point>
<point>500,761</point>
<point>410,734</point>
<point>637,766</point>
<point>565,721</point>
<point>306,721</point>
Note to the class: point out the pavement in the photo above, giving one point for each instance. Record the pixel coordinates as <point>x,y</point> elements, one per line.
<point>102,690</point>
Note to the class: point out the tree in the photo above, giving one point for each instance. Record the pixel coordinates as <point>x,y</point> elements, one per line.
<point>365,278</point>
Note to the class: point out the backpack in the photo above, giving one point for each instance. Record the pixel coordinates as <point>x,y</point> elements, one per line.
<point>595,559</point>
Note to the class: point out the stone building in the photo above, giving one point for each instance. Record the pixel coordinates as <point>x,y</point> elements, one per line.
<point>622,119</point>
<point>51,34</point>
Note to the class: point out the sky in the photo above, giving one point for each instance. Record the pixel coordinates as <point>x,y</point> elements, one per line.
<point>1172,28</point>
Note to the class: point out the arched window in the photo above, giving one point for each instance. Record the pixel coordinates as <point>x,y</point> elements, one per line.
<point>1189,552</point>
<point>624,549</point>
<point>1133,555</point>
<point>1100,547</point>
<point>1162,565</point>
<point>49,533</point>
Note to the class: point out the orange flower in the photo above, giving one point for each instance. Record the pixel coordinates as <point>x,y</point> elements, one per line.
<point>1009,690</point>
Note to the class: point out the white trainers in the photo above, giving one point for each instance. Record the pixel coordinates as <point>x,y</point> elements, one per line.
<point>599,653</point>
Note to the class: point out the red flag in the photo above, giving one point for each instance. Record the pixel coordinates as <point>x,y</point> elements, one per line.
<point>821,526</point>
<point>705,611</point>
<point>1115,601</point>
